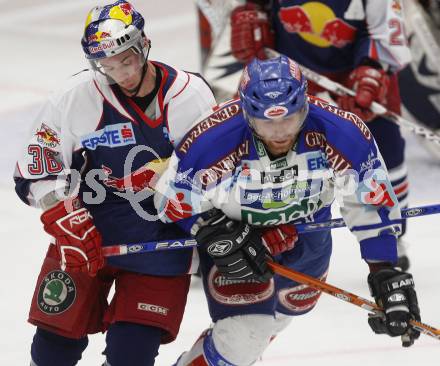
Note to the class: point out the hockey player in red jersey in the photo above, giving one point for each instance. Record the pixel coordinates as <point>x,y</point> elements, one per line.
<point>119,122</point>
<point>360,44</point>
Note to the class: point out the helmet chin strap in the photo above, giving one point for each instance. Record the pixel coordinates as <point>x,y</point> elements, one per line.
<point>135,90</point>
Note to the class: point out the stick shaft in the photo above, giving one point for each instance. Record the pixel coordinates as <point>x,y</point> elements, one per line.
<point>345,295</point>
<point>171,244</point>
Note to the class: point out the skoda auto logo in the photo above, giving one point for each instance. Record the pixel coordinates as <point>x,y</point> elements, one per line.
<point>220,248</point>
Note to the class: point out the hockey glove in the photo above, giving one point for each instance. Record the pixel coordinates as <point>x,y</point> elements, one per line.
<point>280,239</point>
<point>394,291</point>
<point>77,240</point>
<point>371,85</point>
<point>250,32</point>
<point>236,249</point>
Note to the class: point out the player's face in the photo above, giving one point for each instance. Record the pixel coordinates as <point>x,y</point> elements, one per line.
<point>279,134</point>
<point>125,68</point>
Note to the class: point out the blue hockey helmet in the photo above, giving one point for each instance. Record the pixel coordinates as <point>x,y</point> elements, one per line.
<point>273,88</point>
<point>112,29</point>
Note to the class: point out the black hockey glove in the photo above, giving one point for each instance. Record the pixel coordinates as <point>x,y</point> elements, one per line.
<point>236,249</point>
<point>394,291</point>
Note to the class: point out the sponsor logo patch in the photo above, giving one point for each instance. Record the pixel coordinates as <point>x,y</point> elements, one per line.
<point>300,298</point>
<point>335,159</point>
<point>220,248</point>
<point>213,120</point>
<point>105,45</point>
<point>117,135</point>
<point>224,167</point>
<point>277,111</point>
<point>283,175</point>
<point>153,308</point>
<point>238,292</point>
<point>351,117</point>
<point>47,137</point>
<point>57,293</point>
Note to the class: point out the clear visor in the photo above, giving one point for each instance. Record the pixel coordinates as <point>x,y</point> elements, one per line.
<point>124,69</point>
<point>279,129</point>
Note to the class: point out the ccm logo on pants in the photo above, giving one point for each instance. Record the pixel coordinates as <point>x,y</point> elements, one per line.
<point>152,308</point>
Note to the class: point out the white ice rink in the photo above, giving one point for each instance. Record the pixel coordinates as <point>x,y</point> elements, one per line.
<point>40,48</point>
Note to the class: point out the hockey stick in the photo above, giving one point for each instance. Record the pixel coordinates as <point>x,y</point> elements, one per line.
<point>152,246</point>
<point>345,296</point>
<point>377,108</point>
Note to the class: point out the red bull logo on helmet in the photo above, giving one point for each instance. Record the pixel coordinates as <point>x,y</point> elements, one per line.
<point>316,23</point>
<point>98,36</point>
<point>122,12</point>
<point>103,46</point>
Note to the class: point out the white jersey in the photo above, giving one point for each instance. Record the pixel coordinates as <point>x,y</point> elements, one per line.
<point>71,121</point>
<point>94,131</point>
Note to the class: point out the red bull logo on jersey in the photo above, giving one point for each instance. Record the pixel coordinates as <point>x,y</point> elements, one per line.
<point>316,23</point>
<point>117,135</point>
<point>396,6</point>
<point>143,178</point>
<point>47,137</point>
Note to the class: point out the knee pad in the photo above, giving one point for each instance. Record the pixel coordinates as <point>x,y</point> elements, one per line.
<point>50,349</point>
<point>132,344</point>
<point>242,339</point>
<point>281,322</point>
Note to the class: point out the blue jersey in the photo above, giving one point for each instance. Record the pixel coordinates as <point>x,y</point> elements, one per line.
<point>336,35</point>
<point>93,130</point>
<point>221,164</point>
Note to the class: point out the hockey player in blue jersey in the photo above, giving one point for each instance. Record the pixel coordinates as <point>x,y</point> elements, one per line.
<point>243,176</point>
<point>114,125</point>
<point>360,44</point>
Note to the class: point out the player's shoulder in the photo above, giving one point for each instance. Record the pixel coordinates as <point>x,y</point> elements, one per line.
<point>218,129</point>
<point>76,86</point>
<point>179,83</point>
<point>337,124</point>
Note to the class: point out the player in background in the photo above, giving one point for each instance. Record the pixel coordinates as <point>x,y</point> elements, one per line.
<point>114,125</point>
<point>239,181</point>
<point>420,82</point>
<point>360,44</point>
